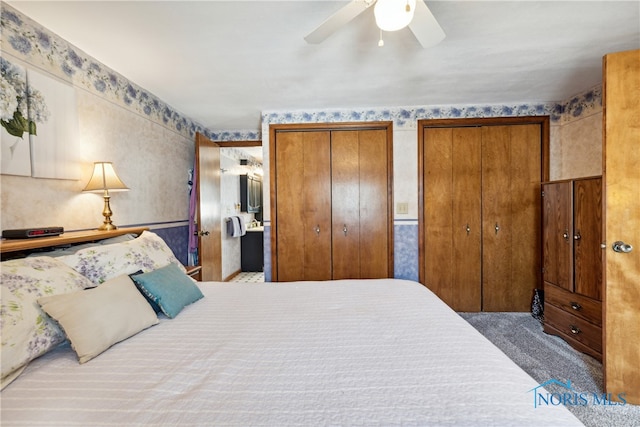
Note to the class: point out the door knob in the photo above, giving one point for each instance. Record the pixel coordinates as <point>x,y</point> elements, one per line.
<point>203,233</point>
<point>622,247</point>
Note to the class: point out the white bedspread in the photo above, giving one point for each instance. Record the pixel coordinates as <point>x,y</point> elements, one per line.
<point>366,353</point>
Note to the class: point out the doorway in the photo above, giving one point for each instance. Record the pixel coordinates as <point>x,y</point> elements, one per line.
<point>241,201</point>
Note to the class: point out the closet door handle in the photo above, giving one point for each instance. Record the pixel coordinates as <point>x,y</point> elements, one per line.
<point>497,228</point>
<point>577,236</point>
<point>565,235</point>
<point>344,229</point>
<point>468,229</point>
<point>317,229</point>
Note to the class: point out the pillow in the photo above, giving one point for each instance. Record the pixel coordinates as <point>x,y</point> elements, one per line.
<point>62,251</point>
<point>27,332</point>
<point>147,252</point>
<point>151,302</point>
<point>117,239</point>
<point>168,287</point>
<point>95,319</point>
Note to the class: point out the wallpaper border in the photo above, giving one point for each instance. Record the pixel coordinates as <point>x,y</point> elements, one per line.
<point>578,106</point>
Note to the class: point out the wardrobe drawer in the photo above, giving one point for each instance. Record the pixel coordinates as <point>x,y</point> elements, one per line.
<point>578,305</point>
<point>574,327</point>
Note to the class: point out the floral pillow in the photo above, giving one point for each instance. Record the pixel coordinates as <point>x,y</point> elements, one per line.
<point>27,332</point>
<point>147,252</point>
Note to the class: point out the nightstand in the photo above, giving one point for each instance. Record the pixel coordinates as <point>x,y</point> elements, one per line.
<point>194,271</point>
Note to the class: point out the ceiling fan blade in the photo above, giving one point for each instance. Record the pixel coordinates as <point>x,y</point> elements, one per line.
<point>336,21</point>
<point>425,27</point>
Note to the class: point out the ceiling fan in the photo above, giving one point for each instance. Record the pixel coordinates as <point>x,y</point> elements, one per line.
<point>391,15</point>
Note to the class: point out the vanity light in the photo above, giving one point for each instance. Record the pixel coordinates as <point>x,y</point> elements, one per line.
<point>105,179</point>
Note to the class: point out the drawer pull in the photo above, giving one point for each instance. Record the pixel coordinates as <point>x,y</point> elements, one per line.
<point>575,306</point>
<point>574,330</point>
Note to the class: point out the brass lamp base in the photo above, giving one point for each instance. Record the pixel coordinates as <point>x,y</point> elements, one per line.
<point>107,225</point>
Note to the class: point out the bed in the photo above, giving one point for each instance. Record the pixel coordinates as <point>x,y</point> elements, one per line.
<point>351,352</point>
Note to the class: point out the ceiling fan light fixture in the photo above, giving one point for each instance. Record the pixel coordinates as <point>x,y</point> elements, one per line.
<point>393,15</point>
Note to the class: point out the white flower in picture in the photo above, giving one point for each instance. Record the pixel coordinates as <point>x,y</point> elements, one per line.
<point>22,106</point>
<point>8,100</point>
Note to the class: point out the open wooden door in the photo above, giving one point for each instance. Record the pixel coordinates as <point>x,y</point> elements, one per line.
<point>209,211</point>
<point>621,176</point>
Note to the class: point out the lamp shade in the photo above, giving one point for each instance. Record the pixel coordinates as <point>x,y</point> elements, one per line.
<point>393,15</point>
<point>104,177</point>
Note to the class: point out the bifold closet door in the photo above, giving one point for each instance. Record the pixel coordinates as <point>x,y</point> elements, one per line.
<point>452,215</point>
<point>359,173</point>
<point>303,186</point>
<point>511,171</point>
<point>481,216</point>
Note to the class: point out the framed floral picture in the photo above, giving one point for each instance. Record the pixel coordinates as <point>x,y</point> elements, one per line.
<point>15,152</point>
<point>38,116</point>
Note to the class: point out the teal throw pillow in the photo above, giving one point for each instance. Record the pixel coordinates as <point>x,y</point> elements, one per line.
<point>168,287</point>
<point>151,302</point>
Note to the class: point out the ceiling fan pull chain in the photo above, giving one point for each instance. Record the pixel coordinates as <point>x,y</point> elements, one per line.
<point>380,42</point>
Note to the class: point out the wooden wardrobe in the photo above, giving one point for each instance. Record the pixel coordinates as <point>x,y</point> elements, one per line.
<point>331,201</point>
<point>479,224</point>
<point>572,262</point>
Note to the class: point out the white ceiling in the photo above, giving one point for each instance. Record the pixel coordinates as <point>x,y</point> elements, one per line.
<point>223,62</point>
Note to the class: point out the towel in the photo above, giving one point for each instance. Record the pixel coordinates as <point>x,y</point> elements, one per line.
<point>235,227</point>
<point>243,227</point>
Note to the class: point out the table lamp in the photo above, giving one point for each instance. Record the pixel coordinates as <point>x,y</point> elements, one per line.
<point>104,179</point>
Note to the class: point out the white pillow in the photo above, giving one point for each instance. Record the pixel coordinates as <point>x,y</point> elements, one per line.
<point>95,319</point>
<point>147,252</point>
<point>27,332</point>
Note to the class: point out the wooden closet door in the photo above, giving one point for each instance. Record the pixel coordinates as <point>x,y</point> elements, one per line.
<point>345,212</point>
<point>360,202</point>
<point>511,170</point>
<point>526,244</point>
<point>303,188</point>
<point>375,200</point>
<point>452,228</point>
<point>467,223</point>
